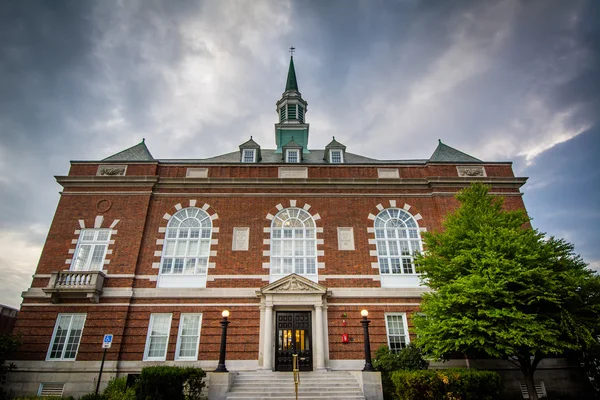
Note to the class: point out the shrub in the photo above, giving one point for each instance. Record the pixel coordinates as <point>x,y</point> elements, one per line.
<point>91,396</point>
<point>409,358</point>
<point>170,383</point>
<point>117,390</point>
<point>449,384</point>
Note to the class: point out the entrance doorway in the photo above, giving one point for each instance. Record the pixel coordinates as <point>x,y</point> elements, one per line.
<point>293,336</point>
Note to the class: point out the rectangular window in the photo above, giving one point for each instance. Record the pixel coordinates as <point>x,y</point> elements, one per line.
<point>188,337</point>
<point>293,156</point>
<point>336,156</point>
<point>66,337</point>
<point>301,114</point>
<point>158,337</point>
<point>91,250</point>
<point>397,331</point>
<point>248,155</point>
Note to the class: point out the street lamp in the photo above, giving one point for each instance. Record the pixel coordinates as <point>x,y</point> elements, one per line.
<point>365,324</point>
<point>221,367</point>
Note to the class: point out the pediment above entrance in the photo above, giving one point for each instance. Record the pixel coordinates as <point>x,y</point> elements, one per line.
<point>293,284</point>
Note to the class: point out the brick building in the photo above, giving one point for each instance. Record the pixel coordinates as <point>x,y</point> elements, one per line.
<point>293,241</point>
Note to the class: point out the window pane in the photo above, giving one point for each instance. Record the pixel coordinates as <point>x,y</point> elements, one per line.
<point>103,235</point>
<point>166,266</point>
<point>395,262</point>
<point>88,235</point>
<point>178,266</point>
<point>97,257</point>
<point>299,266</point>
<point>384,267</point>
<point>190,266</point>
<point>83,255</point>
<point>65,342</point>
<point>181,248</point>
<point>310,266</point>
<point>169,248</point>
<point>396,332</point>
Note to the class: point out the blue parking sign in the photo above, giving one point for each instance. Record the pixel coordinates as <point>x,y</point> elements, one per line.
<point>107,342</point>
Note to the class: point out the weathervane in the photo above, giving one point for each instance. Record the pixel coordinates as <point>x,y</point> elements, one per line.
<point>292,49</point>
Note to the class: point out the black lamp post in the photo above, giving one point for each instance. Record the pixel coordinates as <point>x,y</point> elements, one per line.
<point>221,367</point>
<point>365,324</point>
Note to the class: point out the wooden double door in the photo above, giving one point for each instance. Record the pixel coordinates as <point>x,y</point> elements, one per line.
<point>293,336</point>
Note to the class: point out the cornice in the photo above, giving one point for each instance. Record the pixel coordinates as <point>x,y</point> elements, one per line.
<point>107,181</point>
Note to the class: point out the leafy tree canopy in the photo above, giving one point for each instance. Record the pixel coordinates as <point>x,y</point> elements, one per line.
<point>503,289</point>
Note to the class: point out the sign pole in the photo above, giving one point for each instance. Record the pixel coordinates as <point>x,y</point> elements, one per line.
<point>106,344</point>
<point>100,374</point>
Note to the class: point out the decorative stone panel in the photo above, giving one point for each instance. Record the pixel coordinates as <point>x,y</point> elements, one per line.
<point>388,173</point>
<point>345,238</point>
<point>241,238</point>
<point>471,171</point>
<point>111,170</point>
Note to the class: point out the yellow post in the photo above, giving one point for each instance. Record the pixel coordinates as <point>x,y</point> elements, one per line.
<point>296,370</point>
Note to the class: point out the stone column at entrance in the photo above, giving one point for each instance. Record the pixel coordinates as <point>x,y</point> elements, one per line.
<point>267,351</point>
<point>319,339</point>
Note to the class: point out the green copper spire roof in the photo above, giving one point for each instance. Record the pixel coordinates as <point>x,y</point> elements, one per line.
<point>291,83</point>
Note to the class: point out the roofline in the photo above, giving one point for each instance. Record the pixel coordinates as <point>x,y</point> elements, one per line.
<point>176,162</point>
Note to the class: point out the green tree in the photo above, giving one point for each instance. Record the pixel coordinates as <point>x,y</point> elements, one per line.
<point>503,289</point>
<point>8,344</point>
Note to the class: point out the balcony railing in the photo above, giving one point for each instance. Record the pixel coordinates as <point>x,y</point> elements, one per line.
<point>75,284</point>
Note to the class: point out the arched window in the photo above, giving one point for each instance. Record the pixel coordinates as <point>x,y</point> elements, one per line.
<point>186,249</point>
<point>398,239</point>
<point>293,244</point>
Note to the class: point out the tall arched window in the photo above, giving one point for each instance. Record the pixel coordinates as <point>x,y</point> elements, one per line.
<point>398,240</point>
<point>293,244</point>
<point>186,249</point>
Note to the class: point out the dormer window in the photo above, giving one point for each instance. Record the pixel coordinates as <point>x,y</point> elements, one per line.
<point>249,156</point>
<point>336,156</point>
<point>292,156</point>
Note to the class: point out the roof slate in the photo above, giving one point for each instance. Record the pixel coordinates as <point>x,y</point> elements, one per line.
<point>445,153</point>
<point>270,157</point>
<point>139,152</point>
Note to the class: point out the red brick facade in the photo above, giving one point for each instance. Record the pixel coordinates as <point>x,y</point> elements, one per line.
<point>235,196</point>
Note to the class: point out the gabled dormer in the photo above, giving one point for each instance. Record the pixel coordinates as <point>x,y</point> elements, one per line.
<point>292,152</point>
<point>291,110</point>
<point>335,152</point>
<point>250,152</point>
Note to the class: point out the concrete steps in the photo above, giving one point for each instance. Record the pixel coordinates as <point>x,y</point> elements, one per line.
<point>259,385</point>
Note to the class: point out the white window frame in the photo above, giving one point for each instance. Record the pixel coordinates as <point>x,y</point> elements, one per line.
<point>292,151</point>
<point>85,265</point>
<point>248,151</point>
<point>304,222</point>
<point>404,324</point>
<point>410,225</point>
<point>68,334</point>
<point>341,153</point>
<point>149,336</point>
<point>179,336</point>
<point>181,233</point>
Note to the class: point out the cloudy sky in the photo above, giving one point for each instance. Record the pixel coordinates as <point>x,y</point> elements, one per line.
<point>500,80</point>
